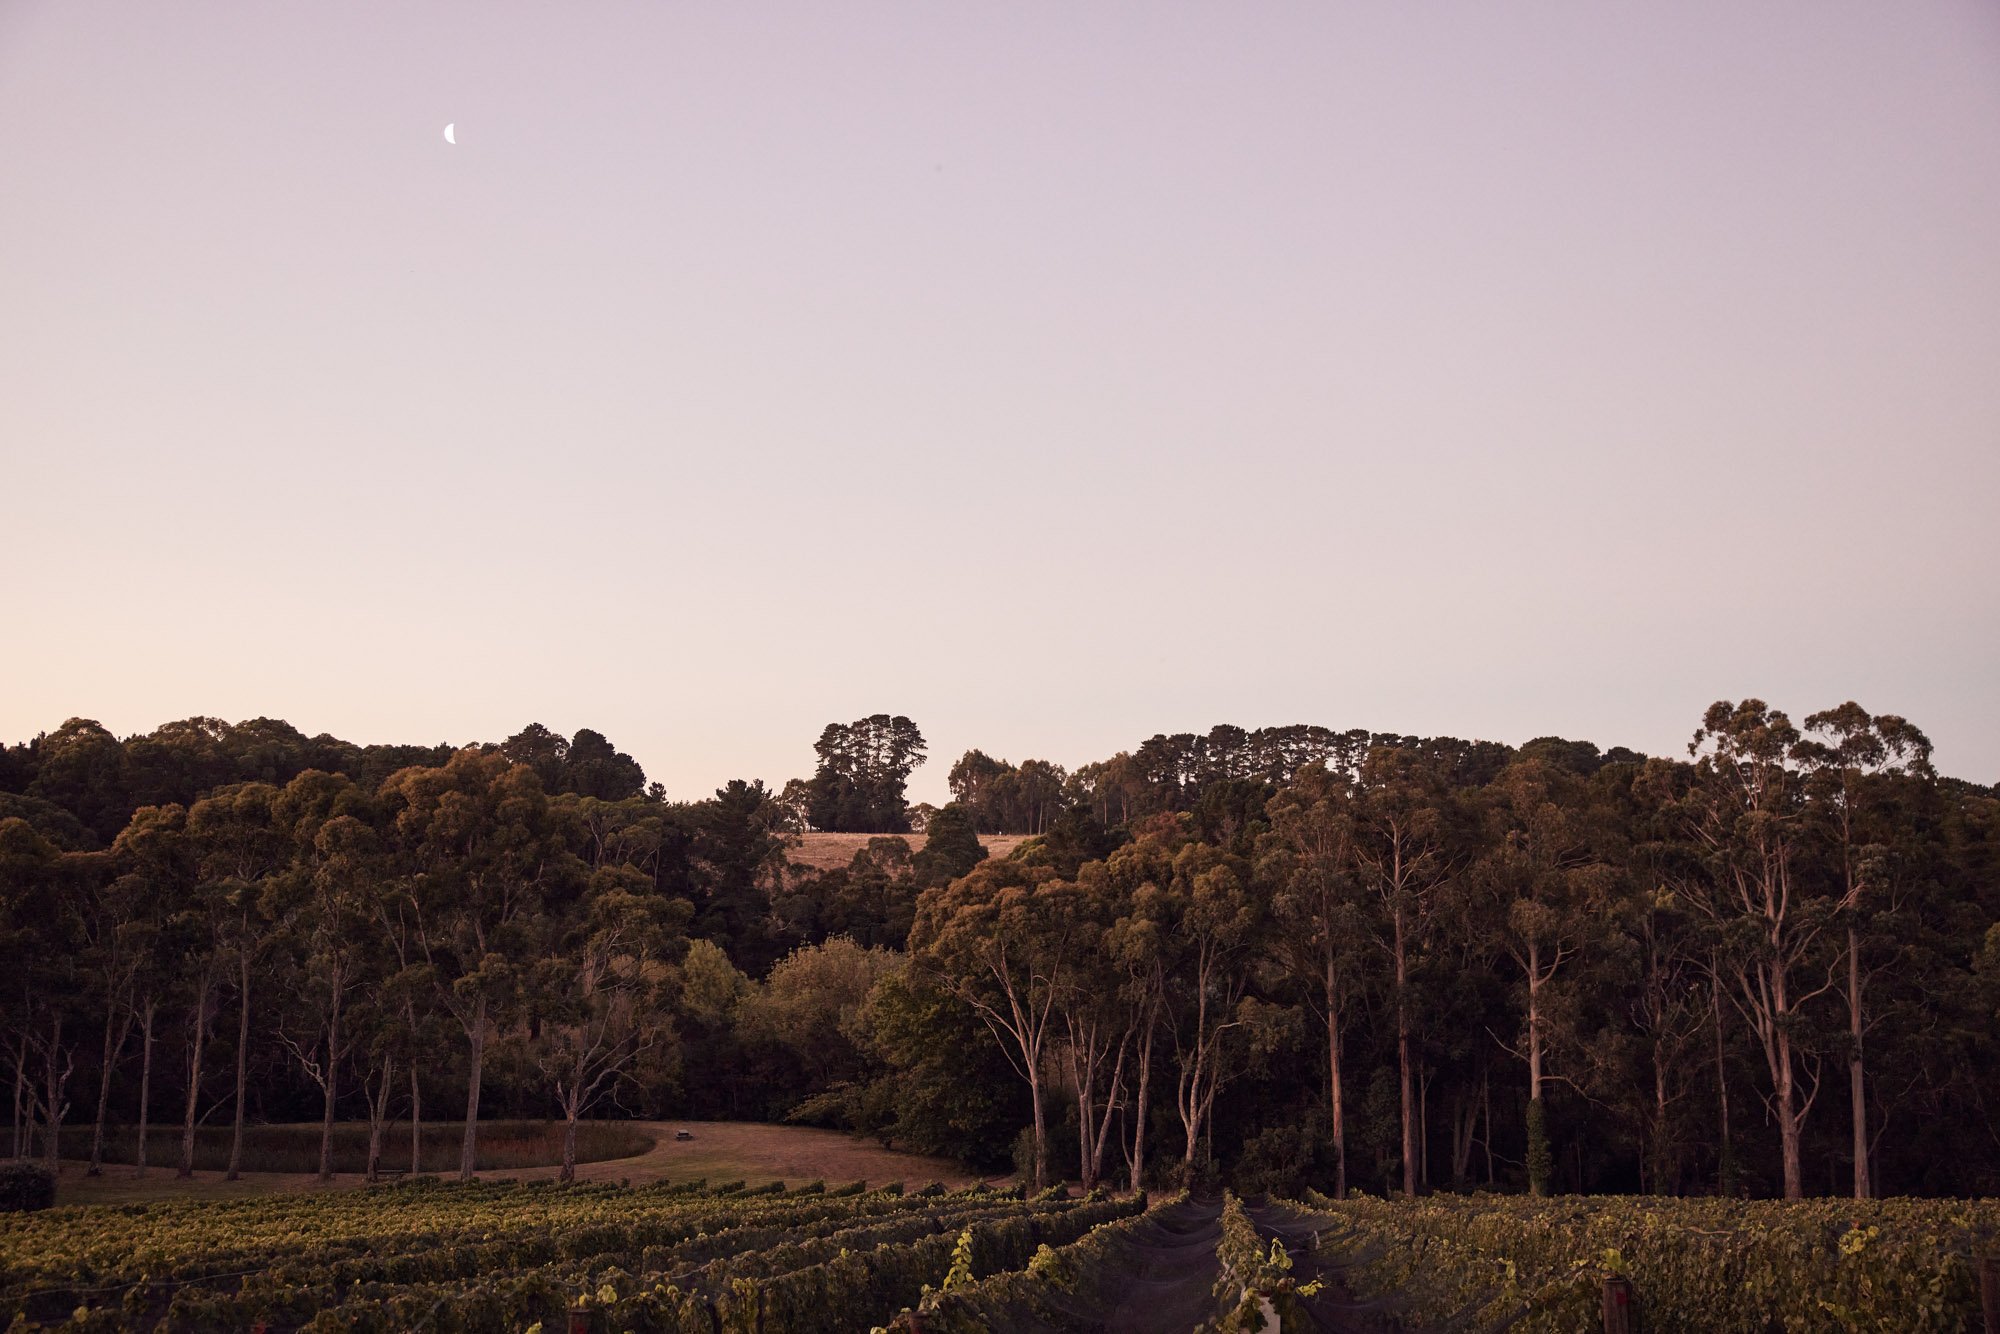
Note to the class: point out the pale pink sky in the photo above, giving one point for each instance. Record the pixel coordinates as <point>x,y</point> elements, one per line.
<point>1052,373</point>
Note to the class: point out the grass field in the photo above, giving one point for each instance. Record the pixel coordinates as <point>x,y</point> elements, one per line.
<point>719,1151</point>
<point>503,1145</point>
<point>826,852</point>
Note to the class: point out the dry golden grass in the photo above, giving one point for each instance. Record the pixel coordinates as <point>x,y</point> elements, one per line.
<point>825,852</point>
<point>719,1151</point>
<point>294,1148</point>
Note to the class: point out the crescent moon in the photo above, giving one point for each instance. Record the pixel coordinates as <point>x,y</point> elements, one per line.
<point>447,133</point>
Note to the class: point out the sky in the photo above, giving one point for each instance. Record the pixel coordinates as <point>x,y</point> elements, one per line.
<point>1055,374</point>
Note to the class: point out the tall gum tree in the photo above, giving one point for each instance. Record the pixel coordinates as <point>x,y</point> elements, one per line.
<point>1137,949</point>
<point>1002,940</point>
<point>159,868</point>
<point>1550,887</point>
<point>241,847</point>
<point>1308,859</point>
<point>1403,847</point>
<point>485,843</point>
<point>1745,811</point>
<point>330,900</point>
<point>1850,753</point>
<point>598,993</point>
<point>1216,926</point>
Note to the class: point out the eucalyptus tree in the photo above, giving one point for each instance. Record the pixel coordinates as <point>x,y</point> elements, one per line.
<point>159,871</point>
<point>1551,891</point>
<point>1215,931</point>
<point>330,902</point>
<point>239,845</point>
<point>1856,761</point>
<point>1002,940</point>
<point>1100,1025</point>
<point>1308,859</point>
<point>119,938</point>
<point>1137,947</point>
<point>485,844</point>
<point>40,930</point>
<point>1666,1011</point>
<point>596,991</point>
<point>1745,810</point>
<point>1404,849</point>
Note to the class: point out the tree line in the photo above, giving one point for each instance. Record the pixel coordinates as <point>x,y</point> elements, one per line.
<point>1289,956</point>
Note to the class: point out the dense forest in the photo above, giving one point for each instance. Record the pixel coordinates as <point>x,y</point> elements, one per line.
<point>1284,958</point>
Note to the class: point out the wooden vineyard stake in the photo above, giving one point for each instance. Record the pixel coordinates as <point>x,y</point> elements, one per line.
<point>1989,1291</point>
<point>1618,1306</point>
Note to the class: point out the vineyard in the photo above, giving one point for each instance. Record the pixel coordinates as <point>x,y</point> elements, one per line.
<point>512,1256</point>
<point>1718,1266</point>
<point>508,1256</point>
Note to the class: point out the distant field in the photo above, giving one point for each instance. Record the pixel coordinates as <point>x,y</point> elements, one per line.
<point>720,1151</point>
<point>827,851</point>
<point>503,1145</point>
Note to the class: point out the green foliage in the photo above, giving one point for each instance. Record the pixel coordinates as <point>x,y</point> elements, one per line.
<point>504,1256</point>
<point>951,846</point>
<point>863,766</point>
<point>25,1187</point>
<point>1731,1267</point>
<point>1041,1271</point>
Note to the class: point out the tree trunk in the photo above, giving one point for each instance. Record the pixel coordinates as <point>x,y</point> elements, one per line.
<point>378,1116</point>
<point>1085,1105</point>
<point>23,1126</point>
<point>1464,1128</point>
<point>52,1095</point>
<point>1114,1096</point>
<point>1409,1096</point>
<point>1140,1111</point>
<point>1789,1119</point>
<point>1336,1106</point>
<point>1856,1084</point>
<point>242,1055</point>
<point>569,1140</point>
<point>114,1047</point>
<point>194,1085</point>
<point>1486,1106</point>
<point>1539,1156</point>
<point>152,1009</point>
<point>1424,1128</point>
<point>1661,1164</point>
<point>1041,1151</point>
<point>416,1123</point>
<point>332,1086</point>
<point>1725,1165</point>
<point>468,1149</point>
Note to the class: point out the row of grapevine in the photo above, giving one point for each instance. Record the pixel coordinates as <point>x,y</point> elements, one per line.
<point>705,1261</point>
<point>1257,1285</point>
<point>1055,1280</point>
<point>490,1257</point>
<point>184,1255</point>
<point>1714,1265</point>
<point>857,1289</point>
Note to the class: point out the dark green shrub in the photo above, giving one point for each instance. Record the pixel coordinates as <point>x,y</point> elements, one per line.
<point>26,1186</point>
